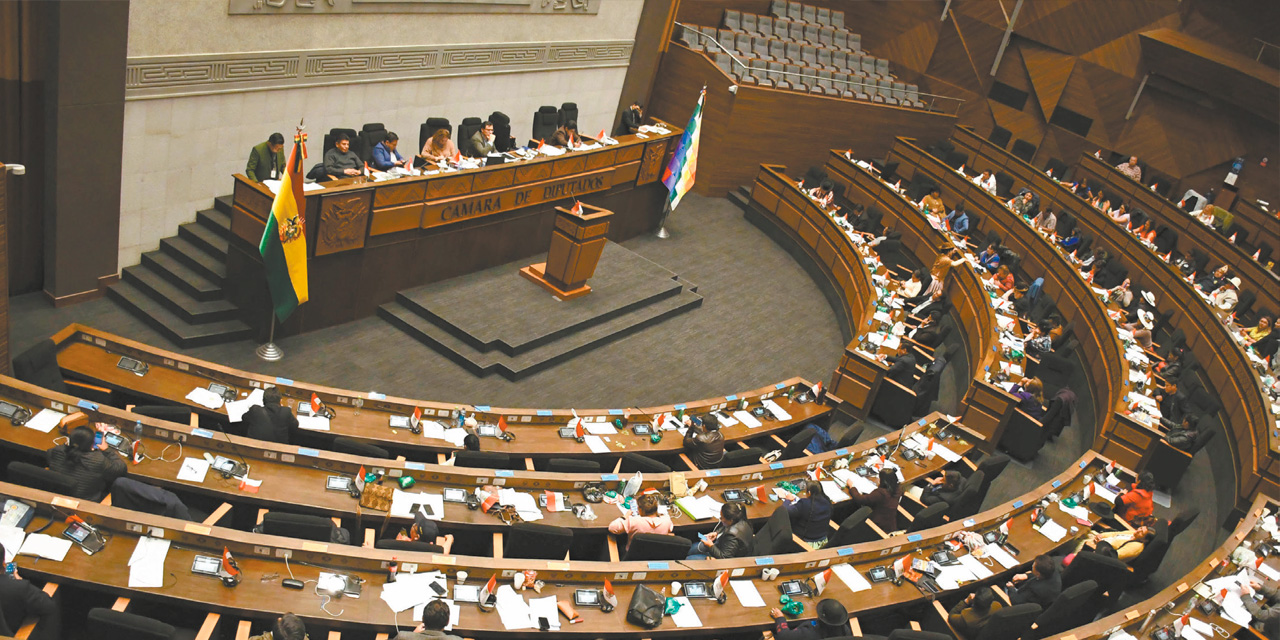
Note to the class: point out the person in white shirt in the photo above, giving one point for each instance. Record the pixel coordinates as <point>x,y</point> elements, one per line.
<point>911,288</point>
<point>1225,297</point>
<point>823,193</point>
<point>986,181</point>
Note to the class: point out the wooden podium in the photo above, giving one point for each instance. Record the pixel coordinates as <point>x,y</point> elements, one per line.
<point>576,244</point>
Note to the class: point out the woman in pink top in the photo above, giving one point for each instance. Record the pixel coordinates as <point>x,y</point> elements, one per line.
<point>647,522</point>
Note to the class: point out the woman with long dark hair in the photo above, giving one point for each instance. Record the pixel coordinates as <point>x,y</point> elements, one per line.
<point>883,501</point>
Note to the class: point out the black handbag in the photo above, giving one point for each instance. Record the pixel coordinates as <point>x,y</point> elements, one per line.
<point>647,607</point>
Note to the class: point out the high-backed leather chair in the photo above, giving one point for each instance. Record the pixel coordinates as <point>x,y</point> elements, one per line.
<point>1000,136</point>
<point>482,460</point>
<point>655,546</point>
<point>775,537</point>
<point>545,121</point>
<point>632,462</point>
<point>502,139</point>
<point>300,526</point>
<point>429,128</point>
<point>929,517</point>
<point>798,443</point>
<point>853,529</point>
<point>467,128</point>
<point>1067,611</point>
<point>572,465</point>
<point>351,446</point>
<point>534,540</point>
<point>38,365</point>
<point>29,475</point>
<point>970,498</point>
<point>108,624</point>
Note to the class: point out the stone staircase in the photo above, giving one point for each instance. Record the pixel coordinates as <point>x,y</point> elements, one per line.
<point>177,289</point>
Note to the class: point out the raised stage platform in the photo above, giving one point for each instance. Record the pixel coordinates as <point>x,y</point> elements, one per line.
<point>497,321</point>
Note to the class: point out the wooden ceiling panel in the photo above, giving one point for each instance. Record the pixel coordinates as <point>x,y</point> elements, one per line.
<point>1203,136</point>
<point>912,49</point>
<point>1049,72</point>
<point>1082,26</point>
<point>881,22</point>
<point>1112,95</point>
<point>964,51</point>
<point>1022,124</point>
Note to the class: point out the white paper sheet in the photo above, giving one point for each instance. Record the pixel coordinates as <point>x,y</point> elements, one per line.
<point>11,538</point>
<point>412,590</point>
<point>45,420</point>
<point>748,595</point>
<point>834,491</point>
<point>146,565</point>
<point>595,444</point>
<point>726,420</point>
<point>598,428</point>
<point>700,508</point>
<point>851,577</point>
<point>544,608</point>
<point>526,505</point>
<point>998,553</point>
<point>47,547</point>
<point>777,411</point>
<point>1052,530</point>
<point>747,419</point>
<point>686,617</point>
<point>205,398</point>
<point>1104,493</point>
<point>945,453</point>
<point>1264,568</point>
<point>513,610</point>
<point>313,423</point>
<point>237,408</point>
<point>975,566</point>
<point>402,504</point>
<point>193,470</point>
<point>857,482</point>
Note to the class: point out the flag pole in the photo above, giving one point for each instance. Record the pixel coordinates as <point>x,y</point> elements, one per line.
<point>662,224</point>
<point>270,351</point>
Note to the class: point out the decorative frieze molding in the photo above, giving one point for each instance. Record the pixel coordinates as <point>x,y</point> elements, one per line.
<point>326,7</point>
<point>173,76</point>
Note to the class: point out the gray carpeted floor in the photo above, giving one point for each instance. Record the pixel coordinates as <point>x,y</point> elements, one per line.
<point>762,320</point>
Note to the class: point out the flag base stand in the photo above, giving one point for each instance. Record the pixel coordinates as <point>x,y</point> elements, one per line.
<point>662,224</point>
<point>662,233</point>
<point>270,351</point>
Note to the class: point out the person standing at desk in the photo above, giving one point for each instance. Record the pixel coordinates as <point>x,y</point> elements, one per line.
<point>632,118</point>
<point>340,161</point>
<point>385,156</point>
<point>883,500</point>
<point>266,160</point>
<point>271,421</point>
<point>20,599</point>
<point>482,140</point>
<point>439,148</point>
<point>90,469</point>
<point>567,136</point>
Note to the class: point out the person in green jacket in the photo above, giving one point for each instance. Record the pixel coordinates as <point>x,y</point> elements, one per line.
<point>266,160</point>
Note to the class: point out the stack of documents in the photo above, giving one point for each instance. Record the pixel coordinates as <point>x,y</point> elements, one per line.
<point>686,617</point>
<point>699,508</point>
<point>146,565</point>
<point>47,547</point>
<point>205,398</point>
<point>777,410</point>
<point>850,577</point>
<point>596,444</point>
<point>430,504</point>
<point>747,419</point>
<point>526,505</point>
<point>237,408</point>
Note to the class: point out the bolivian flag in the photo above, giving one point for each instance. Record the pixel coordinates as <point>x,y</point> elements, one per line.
<point>284,241</point>
<point>684,161</point>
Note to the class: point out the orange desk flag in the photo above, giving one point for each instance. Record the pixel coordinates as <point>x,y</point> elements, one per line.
<point>577,208</point>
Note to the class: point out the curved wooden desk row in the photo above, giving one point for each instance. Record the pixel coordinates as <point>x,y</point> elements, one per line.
<point>1107,370</point>
<point>1255,441</point>
<point>1175,599</point>
<point>261,560</point>
<point>1258,227</point>
<point>986,407</point>
<point>293,478</point>
<point>92,355</point>
<point>368,240</point>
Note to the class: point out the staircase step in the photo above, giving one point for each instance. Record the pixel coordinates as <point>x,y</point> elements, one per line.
<point>544,356</point>
<point>205,238</point>
<point>189,280</point>
<point>223,204</point>
<point>183,334</point>
<point>210,266</point>
<point>216,221</point>
<point>178,302</point>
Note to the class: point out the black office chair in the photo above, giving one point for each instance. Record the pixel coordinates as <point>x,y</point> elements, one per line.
<point>775,537</point>
<point>429,128</point>
<point>119,625</point>
<point>1152,554</point>
<point>957,159</point>
<point>991,465</point>
<point>1023,149</point>
<point>467,128</point>
<point>531,540</point>
<point>851,436</point>
<point>970,499</point>
<point>370,136</point>
<point>1004,185</point>
<point>741,457</point>
<point>29,475</point>
<point>1067,611</point>
<point>929,517</point>
<point>1009,622</point>
<point>893,404</point>
<point>655,546</point>
<point>482,460</point>
<point>633,462</point>
<point>351,446</point>
<point>1181,521</point>
<point>331,139</point>
<point>302,527</point>
<point>545,121</point>
<point>797,444</point>
<point>813,176</point>
<point>1000,137</point>
<point>572,465</point>
<point>568,113</point>
<point>407,545</point>
<point>1057,168</point>
<point>38,365</point>
<point>1110,574</point>
<point>854,529</point>
<point>910,634</point>
<point>502,139</point>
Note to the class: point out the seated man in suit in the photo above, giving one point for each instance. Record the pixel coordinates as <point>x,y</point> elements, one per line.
<point>1266,613</point>
<point>958,220</point>
<point>1173,404</point>
<point>19,599</point>
<point>567,136</point>
<point>902,367</point>
<point>632,118</point>
<point>271,421</point>
<point>1041,586</point>
<point>266,160</point>
<point>341,161</point>
<point>1184,435</point>
<point>705,443</point>
<point>935,303</point>
<point>970,615</point>
<point>385,156</point>
<point>482,141</point>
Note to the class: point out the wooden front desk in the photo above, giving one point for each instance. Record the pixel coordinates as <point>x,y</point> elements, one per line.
<point>367,240</point>
<point>89,354</point>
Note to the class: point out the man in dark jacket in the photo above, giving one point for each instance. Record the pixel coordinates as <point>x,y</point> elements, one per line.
<point>705,444</point>
<point>19,599</point>
<point>902,367</point>
<point>271,422</point>
<point>970,615</point>
<point>266,160</point>
<point>90,468</point>
<point>632,118</point>
<point>1041,586</point>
